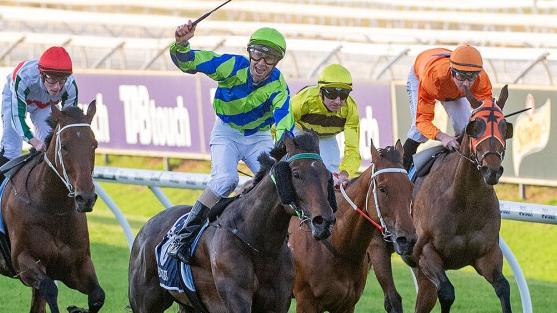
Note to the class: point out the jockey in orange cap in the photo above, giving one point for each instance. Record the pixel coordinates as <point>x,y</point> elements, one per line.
<point>441,74</point>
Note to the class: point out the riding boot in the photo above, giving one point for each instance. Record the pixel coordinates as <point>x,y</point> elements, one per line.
<point>182,239</point>
<point>410,146</point>
<point>3,160</point>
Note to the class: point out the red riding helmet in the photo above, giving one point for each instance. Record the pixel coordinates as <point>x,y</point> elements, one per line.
<point>55,60</point>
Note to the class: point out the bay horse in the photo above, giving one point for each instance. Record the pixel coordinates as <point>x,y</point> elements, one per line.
<point>242,263</point>
<point>43,205</point>
<point>331,276</point>
<point>456,211</point>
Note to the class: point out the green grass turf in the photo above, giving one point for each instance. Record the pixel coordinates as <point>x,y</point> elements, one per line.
<point>533,245</point>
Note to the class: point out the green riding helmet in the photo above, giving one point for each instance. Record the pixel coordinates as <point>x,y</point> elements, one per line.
<point>336,76</point>
<point>267,37</point>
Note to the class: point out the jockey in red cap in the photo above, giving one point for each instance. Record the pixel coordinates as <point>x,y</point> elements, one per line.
<point>34,86</point>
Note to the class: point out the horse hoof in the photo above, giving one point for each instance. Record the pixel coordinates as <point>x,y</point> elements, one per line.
<point>74,309</point>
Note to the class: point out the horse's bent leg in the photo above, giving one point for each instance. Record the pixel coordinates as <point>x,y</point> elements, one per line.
<point>427,293</point>
<point>490,266</point>
<point>431,266</point>
<point>380,258</point>
<point>32,273</point>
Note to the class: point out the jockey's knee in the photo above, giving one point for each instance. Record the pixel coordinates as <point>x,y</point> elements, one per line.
<point>222,186</point>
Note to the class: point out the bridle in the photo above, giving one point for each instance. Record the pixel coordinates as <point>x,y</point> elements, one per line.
<point>490,116</point>
<point>381,226</point>
<point>58,159</point>
<point>299,156</point>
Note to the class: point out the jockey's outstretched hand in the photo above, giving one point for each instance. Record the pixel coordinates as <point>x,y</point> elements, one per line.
<point>184,32</point>
<point>340,179</point>
<point>37,144</point>
<point>448,141</point>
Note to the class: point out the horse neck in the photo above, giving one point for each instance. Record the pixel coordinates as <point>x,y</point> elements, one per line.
<point>352,232</point>
<point>468,184</point>
<point>261,219</point>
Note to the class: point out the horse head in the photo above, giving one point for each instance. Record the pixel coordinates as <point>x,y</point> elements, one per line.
<point>302,183</point>
<point>391,193</point>
<point>73,153</point>
<point>488,131</point>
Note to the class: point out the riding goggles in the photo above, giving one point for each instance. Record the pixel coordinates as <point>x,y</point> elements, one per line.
<point>463,76</point>
<point>257,53</point>
<point>54,79</point>
<point>333,93</point>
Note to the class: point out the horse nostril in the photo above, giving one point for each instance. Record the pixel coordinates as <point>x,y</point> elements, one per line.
<point>318,220</point>
<point>79,199</point>
<point>401,241</point>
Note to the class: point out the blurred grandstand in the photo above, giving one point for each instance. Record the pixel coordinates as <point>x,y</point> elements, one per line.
<point>375,39</point>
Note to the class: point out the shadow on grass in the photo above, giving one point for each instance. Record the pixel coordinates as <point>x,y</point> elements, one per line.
<point>473,293</point>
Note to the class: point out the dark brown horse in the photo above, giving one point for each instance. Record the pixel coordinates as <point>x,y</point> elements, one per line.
<point>243,263</point>
<point>330,276</point>
<point>43,206</point>
<point>456,211</point>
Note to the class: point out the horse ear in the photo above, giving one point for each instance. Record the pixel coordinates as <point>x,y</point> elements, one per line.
<point>399,148</point>
<point>288,140</point>
<point>331,193</point>
<point>56,113</point>
<point>283,177</point>
<point>503,97</point>
<point>374,152</point>
<point>474,103</point>
<point>91,110</point>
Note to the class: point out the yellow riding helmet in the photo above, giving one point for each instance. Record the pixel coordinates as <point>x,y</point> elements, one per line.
<point>466,59</point>
<point>336,76</point>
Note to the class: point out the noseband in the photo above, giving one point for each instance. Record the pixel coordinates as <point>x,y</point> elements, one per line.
<point>382,227</point>
<point>58,159</point>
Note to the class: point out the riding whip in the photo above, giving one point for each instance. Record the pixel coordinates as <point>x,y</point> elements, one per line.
<point>517,112</point>
<point>204,16</point>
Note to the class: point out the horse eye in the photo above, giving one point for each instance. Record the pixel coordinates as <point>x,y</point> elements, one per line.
<point>382,189</point>
<point>65,147</point>
<point>296,175</point>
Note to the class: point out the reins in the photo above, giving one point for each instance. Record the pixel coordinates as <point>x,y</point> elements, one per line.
<point>381,226</point>
<point>299,212</point>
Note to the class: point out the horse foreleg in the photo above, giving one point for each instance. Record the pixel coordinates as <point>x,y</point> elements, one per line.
<point>431,265</point>
<point>33,273</point>
<point>305,300</point>
<point>490,267</point>
<point>84,279</point>
<point>427,293</point>
<point>380,259</point>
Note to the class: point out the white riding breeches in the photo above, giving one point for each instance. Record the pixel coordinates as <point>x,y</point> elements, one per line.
<point>11,141</point>
<point>458,110</point>
<point>228,147</point>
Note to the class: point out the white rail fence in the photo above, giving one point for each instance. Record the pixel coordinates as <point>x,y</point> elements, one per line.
<point>154,180</point>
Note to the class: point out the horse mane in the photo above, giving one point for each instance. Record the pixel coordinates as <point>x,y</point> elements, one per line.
<point>74,112</point>
<point>305,141</point>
